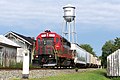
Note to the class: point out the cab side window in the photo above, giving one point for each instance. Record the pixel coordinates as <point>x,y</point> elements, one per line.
<point>57,40</point>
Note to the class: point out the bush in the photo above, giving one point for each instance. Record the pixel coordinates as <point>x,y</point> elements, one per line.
<point>117,78</point>
<point>1,66</point>
<point>16,65</point>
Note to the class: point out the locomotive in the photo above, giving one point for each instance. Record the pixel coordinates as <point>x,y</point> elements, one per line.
<point>54,50</point>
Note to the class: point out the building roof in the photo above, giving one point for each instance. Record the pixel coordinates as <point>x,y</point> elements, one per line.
<point>4,40</point>
<point>29,40</point>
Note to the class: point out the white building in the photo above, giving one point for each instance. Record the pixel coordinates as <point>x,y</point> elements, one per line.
<point>8,51</point>
<point>24,42</point>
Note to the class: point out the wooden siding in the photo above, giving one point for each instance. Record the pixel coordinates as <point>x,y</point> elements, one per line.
<point>8,55</point>
<point>23,44</point>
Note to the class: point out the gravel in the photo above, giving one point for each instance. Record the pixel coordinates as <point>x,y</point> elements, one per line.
<point>13,74</point>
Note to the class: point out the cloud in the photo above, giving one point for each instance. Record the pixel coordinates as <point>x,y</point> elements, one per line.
<point>102,15</point>
<point>99,12</point>
<point>22,9</point>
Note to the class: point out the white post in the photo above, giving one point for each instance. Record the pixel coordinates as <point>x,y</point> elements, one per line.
<point>25,73</point>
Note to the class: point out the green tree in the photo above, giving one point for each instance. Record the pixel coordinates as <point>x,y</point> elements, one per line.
<point>108,48</point>
<point>88,48</point>
<point>117,43</point>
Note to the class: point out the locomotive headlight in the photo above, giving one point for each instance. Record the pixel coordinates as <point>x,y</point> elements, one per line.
<point>50,56</point>
<point>36,56</point>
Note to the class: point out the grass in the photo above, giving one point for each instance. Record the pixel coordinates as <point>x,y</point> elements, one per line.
<point>89,75</point>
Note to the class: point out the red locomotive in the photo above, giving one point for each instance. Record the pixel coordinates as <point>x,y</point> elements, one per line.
<point>52,50</point>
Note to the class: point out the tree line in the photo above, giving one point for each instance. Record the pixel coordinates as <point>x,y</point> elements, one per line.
<point>88,48</point>
<point>108,48</point>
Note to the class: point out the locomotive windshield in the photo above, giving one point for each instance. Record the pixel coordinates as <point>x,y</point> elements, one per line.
<point>46,45</point>
<point>48,41</point>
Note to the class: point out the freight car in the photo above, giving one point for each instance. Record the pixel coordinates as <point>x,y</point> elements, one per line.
<point>79,55</point>
<point>113,64</point>
<point>54,50</point>
<point>83,58</point>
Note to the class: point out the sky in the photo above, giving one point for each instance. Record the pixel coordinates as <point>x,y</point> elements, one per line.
<point>97,21</point>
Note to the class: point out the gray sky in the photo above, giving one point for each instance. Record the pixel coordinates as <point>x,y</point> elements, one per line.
<point>96,20</point>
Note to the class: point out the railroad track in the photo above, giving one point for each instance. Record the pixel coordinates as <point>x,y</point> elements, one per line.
<point>39,68</point>
<point>62,68</point>
<point>34,68</point>
<point>7,74</point>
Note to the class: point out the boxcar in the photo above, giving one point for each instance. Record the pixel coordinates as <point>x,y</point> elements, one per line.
<point>80,55</point>
<point>113,64</point>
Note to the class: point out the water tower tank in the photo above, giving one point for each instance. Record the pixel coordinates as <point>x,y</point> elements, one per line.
<point>69,13</point>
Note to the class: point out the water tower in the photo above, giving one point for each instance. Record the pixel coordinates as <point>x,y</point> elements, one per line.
<point>69,18</point>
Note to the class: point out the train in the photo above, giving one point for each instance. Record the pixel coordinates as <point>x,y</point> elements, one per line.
<point>53,50</point>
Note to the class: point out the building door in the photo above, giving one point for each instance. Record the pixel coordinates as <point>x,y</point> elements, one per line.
<point>1,53</point>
